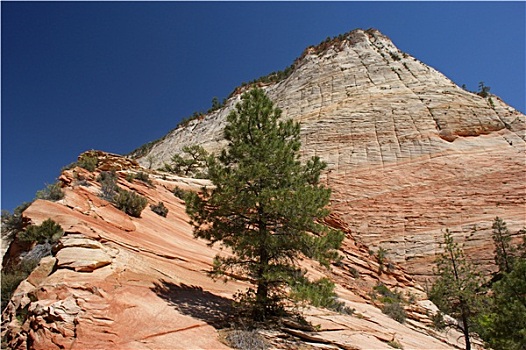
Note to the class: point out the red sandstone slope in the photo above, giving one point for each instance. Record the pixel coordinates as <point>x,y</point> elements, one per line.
<point>117,282</point>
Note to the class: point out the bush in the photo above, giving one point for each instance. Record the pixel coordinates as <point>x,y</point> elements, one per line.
<point>52,192</point>
<point>13,223</point>
<point>130,202</point>
<point>240,339</point>
<point>88,162</point>
<point>144,177</point>
<point>438,321</point>
<point>12,278</point>
<point>159,209</point>
<point>48,232</point>
<point>395,344</point>
<point>108,181</point>
<point>392,302</point>
<point>395,311</point>
<point>388,296</point>
<point>179,193</point>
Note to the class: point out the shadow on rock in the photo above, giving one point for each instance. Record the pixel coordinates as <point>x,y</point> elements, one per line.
<point>195,302</point>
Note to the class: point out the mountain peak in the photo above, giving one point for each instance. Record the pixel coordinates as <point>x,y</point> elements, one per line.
<point>389,125</point>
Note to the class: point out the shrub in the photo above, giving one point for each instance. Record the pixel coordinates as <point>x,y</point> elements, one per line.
<point>144,177</point>
<point>13,223</point>
<point>438,321</point>
<point>48,232</point>
<point>241,339</point>
<point>11,278</point>
<point>52,192</point>
<point>130,177</point>
<point>88,162</point>
<point>388,296</point>
<point>395,311</point>
<point>395,344</point>
<point>392,302</point>
<point>108,181</point>
<point>130,202</point>
<point>159,209</point>
<point>179,193</point>
<point>381,256</point>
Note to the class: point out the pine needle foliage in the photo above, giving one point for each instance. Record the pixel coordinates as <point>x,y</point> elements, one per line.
<point>504,251</point>
<point>266,206</point>
<point>456,289</point>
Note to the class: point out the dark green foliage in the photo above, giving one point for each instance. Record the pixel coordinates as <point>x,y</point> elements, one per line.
<point>13,223</point>
<point>456,289</point>
<point>159,209</point>
<point>483,90</point>
<point>108,185</point>
<point>130,202</point>
<point>318,293</point>
<point>193,162</point>
<point>144,177</point>
<point>438,321</point>
<point>144,149</point>
<point>52,192</point>
<point>503,326</point>
<point>503,323</point>
<point>180,193</point>
<point>504,252</point>
<point>381,257</point>
<point>395,311</point>
<point>266,206</point>
<point>392,302</point>
<point>11,278</point>
<point>88,162</point>
<point>48,232</point>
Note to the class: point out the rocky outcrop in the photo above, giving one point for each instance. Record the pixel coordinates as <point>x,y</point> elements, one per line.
<point>121,282</point>
<point>409,153</point>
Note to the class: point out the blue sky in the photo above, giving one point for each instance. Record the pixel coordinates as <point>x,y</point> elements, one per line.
<point>115,75</point>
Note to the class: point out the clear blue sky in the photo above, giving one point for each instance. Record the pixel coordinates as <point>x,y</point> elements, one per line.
<point>115,75</point>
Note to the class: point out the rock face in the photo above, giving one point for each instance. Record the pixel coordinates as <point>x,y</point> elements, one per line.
<point>120,282</point>
<point>409,153</point>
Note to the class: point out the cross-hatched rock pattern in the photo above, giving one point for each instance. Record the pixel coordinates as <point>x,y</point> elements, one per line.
<point>409,152</point>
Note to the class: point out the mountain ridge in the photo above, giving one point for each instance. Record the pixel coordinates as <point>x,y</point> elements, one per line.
<point>365,108</point>
<point>409,153</point>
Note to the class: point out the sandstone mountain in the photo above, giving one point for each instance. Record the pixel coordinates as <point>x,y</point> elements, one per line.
<point>409,152</point>
<point>120,282</point>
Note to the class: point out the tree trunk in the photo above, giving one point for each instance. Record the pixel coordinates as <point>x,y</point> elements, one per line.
<point>261,308</point>
<point>465,325</point>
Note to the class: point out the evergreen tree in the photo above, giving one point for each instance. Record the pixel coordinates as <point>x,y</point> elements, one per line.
<point>503,327</point>
<point>456,286</point>
<point>192,163</point>
<point>266,205</point>
<point>503,249</point>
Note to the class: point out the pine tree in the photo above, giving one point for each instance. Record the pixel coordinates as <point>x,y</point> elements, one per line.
<point>456,286</point>
<point>503,326</point>
<point>191,163</point>
<point>266,205</point>
<point>504,252</point>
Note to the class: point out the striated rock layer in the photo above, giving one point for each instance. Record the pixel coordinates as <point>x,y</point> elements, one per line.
<point>409,153</point>
<point>117,282</point>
